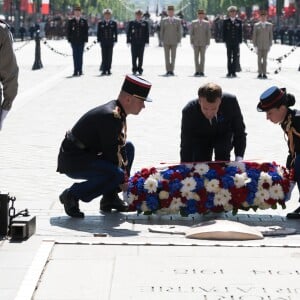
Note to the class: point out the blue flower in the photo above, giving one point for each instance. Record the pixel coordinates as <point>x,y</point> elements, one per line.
<point>140,185</point>
<point>200,183</point>
<point>211,174</point>
<point>167,173</point>
<point>252,186</point>
<point>231,170</point>
<point>250,198</point>
<point>275,176</point>
<point>227,181</point>
<point>175,186</point>
<point>191,206</point>
<point>253,174</point>
<point>183,170</point>
<point>152,202</point>
<point>210,201</point>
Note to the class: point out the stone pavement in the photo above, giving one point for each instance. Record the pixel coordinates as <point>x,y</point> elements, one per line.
<point>114,255</point>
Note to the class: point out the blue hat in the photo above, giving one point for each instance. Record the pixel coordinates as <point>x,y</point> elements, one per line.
<point>137,87</point>
<point>271,98</point>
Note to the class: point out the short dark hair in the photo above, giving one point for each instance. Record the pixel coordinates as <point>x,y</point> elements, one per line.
<point>210,91</point>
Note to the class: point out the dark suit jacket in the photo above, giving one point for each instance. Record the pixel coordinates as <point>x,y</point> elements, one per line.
<point>200,138</point>
<point>138,32</point>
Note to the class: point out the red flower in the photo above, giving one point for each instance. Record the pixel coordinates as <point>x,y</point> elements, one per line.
<point>238,196</point>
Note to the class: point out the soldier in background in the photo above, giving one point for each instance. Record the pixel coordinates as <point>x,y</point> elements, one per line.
<point>170,33</point>
<point>138,37</point>
<point>9,72</point>
<point>262,40</point>
<point>232,37</point>
<point>107,36</point>
<point>77,35</point>
<point>200,40</point>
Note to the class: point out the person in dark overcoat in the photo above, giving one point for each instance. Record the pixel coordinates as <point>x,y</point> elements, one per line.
<point>276,103</point>
<point>107,36</point>
<point>77,36</point>
<point>137,38</point>
<point>96,150</point>
<point>232,37</point>
<point>212,124</point>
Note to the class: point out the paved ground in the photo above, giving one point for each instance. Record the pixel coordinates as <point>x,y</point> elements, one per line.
<point>50,101</point>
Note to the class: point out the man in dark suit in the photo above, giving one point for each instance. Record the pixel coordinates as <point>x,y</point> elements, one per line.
<point>77,35</point>
<point>232,37</point>
<point>107,36</point>
<point>138,37</point>
<point>96,150</point>
<point>213,123</point>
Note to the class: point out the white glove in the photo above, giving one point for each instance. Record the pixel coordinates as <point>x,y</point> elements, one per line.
<point>3,114</point>
<point>238,158</point>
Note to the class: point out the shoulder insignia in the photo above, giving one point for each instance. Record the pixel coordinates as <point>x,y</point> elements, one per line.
<point>117,112</point>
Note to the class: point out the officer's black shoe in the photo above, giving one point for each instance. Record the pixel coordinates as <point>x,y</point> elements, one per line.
<point>201,74</point>
<point>108,72</point>
<point>264,76</point>
<point>140,72</point>
<point>80,73</point>
<point>112,201</point>
<point>259,76</point>
<point>172,73</point>
<point>233,75</point>
<point>197,74</point>
<point>74,74</point>
<point>294,215</point>
<point>70,204</point>
<point>168,73</point>
<point>228,75</point>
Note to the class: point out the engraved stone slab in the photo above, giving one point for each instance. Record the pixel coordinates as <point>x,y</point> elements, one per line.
<point>170,272</point>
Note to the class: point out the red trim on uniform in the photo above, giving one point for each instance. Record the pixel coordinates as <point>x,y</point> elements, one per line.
<point>146,85</point>
<point>273,101</point>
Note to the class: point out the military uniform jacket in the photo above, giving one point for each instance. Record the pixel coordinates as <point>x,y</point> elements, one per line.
<point>232,31</point>
<point>107,33</point>
<point>196,130</point>
<point>170,31</point>
<point>102,131</point>
<point>291,127</point>
<point>77,31</point>
<point>138,32</point>
<point>200,33</point>
<point>262,35</point>
<point>8,68</point>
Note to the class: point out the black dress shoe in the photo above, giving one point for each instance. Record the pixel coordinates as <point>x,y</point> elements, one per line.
<point>228,75</point>
<point>259,76</point>
<point>197,74</point>
<point>294,215</point>
<point>112,201</point>
<point>70,204</point>
<point>103,73</point>
<point>168,73</point>
<point>108,73</point>
<point>201,74</point>
<point>172,73</point>
<point>233,75</point>
<point>264,76</point>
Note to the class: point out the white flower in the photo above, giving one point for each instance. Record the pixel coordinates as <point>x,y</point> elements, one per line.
<point>240,180</point>
<point>130,198</point>
<point>222,197</point>
<point>150,185</point>
<point>201,169</point>
<point>144,206</point>
<point>176,204</point>
<point>212,186</point>
<point>188,184</point>
<point>264,178</point>
<point>190,196</point>
<point>238,164</point>
<point>262,194</point>
<point>157,176</point>
<point>163,195</point>
<point>276,192</point>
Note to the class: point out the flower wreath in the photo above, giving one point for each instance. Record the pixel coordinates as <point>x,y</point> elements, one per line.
<point>209,187</point>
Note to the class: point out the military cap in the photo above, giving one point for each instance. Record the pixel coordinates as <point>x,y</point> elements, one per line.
<point>171,7</point>
<point>201,11</point>
<point>138,12</point>
<point>271,98</point>
<point>107,11</point>
<point>77,7</point>
<point>232,8</point>
<point>137,87</point>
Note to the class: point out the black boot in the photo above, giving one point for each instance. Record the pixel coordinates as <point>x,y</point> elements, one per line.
<point>294,215</point>
<point>70,204</point>
<point>112,201</point>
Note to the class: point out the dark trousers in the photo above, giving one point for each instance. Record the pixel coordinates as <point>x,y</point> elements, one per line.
<point>107,53</point>
<point>137,54</point>
<point>232,57</point>
<point>101,177</point>
<point>77,57</point>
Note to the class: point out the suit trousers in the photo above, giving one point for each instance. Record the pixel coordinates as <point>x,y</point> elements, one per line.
<point>77,57</point>
<point>170,56</point>
<point>107,53</point>
<point>199,50</point>
<point>232,57</point>
<point>262,61</point>
<point>137,55</point>
<point>101,177</point>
